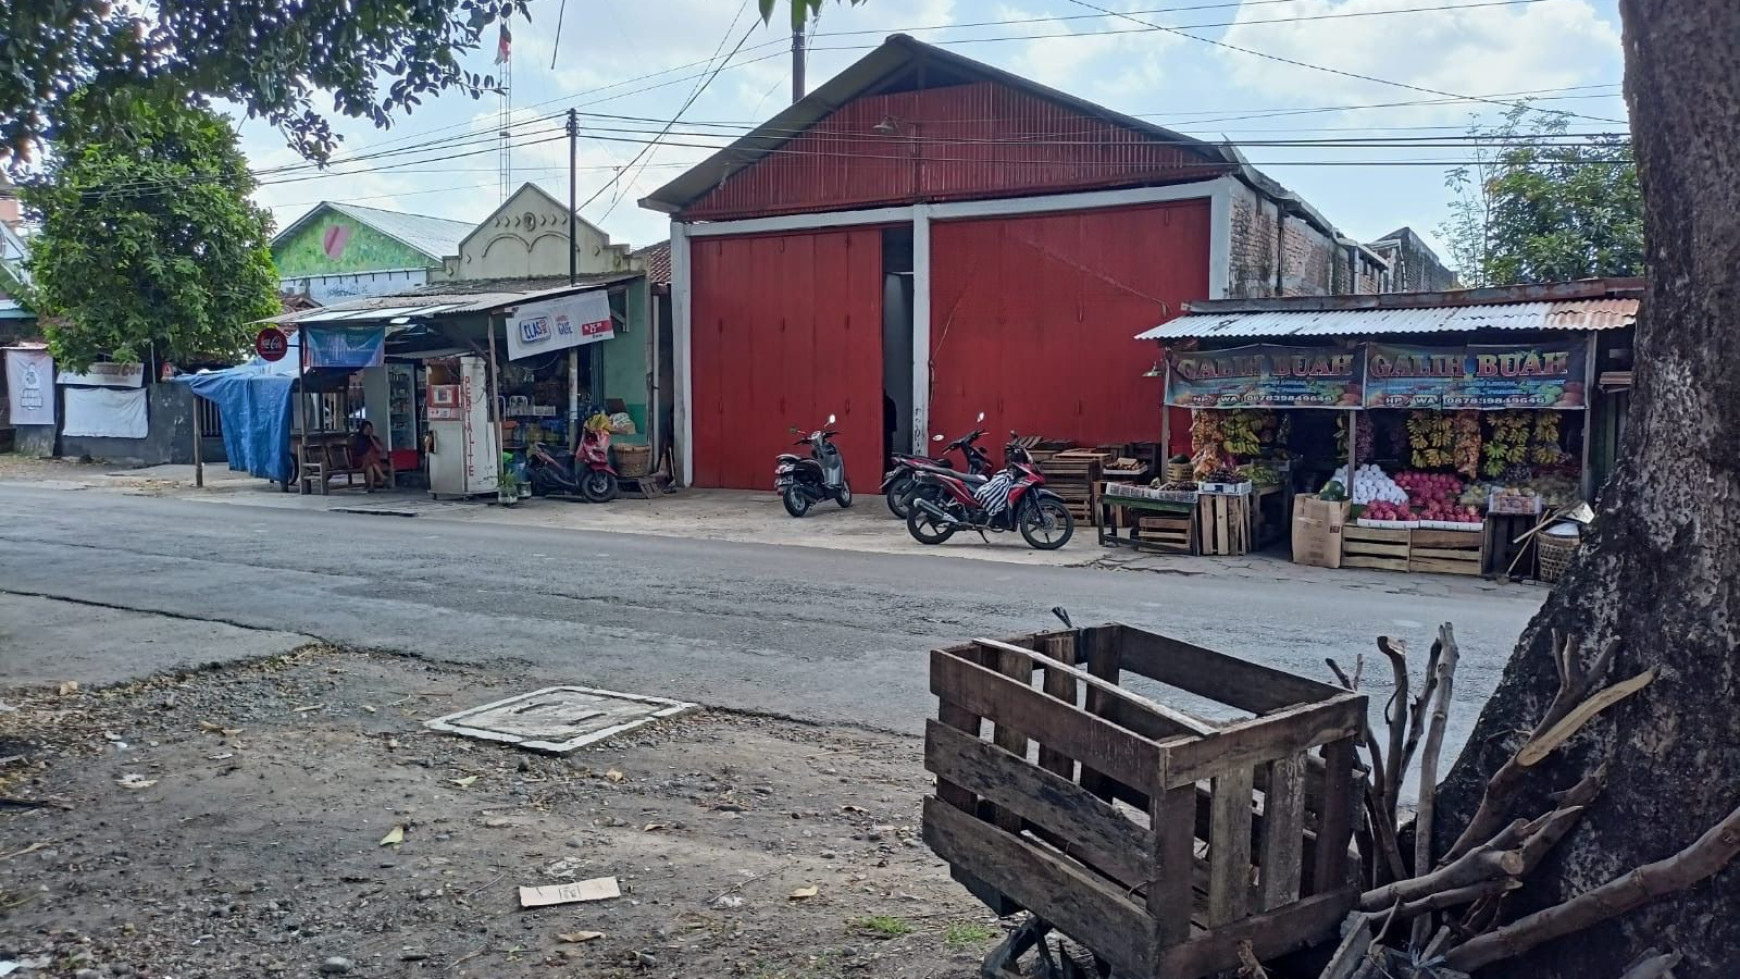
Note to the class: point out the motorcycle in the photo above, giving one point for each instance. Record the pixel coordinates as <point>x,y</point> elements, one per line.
<point>898,484</point>
<point>585,473</point>
<point>802,483</point>
<point>1015,499</point>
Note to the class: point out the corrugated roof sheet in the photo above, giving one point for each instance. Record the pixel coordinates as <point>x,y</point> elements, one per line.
<point>450,298</point>
<point>1573,314</point>
<point>435,237</point>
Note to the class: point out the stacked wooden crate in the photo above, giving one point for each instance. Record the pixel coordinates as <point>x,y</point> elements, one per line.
<point>1374,547</point>
<point>1074,474</point>
<point>1224,524</point>
<point>1445,551</point>
<point>1169,535</point>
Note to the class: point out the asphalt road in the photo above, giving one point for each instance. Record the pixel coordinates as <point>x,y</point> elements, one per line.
<point>822,635</point>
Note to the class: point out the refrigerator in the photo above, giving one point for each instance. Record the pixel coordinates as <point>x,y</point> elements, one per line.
<point>464,456</point>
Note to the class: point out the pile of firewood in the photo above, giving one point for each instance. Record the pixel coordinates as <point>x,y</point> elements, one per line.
<point>1442,916</point>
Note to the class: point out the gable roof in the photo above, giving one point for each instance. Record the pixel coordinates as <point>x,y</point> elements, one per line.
<point>435,237</point>
<point>880,70</point>
<point>550,198</point>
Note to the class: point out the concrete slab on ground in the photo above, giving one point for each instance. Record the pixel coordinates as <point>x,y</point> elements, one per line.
<point>46,641</point>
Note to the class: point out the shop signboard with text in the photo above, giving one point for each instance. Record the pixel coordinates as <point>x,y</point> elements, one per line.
<point>1266,376</point>
<point>558,324</point>
<point>1488,377</point>
<point>345,348</point>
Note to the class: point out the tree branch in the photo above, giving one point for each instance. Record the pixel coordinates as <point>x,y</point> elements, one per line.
<point>1456,897</point>
<point>1494,859</point>
<point>1396,715</point>
<point>1575,685</point>
<point>1703,858</point>
<point>1652,965</point>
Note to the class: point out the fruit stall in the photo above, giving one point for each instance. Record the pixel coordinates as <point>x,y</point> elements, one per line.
<point>1445,439</point>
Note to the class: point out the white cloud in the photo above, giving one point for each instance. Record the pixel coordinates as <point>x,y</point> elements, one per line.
<point>1108,59</point>
<point>1476,51</point>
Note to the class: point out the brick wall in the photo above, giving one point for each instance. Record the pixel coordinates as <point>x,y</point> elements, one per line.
<point>1309,262</point>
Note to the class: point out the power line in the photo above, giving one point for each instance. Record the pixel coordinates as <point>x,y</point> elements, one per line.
<point>1306,64</point>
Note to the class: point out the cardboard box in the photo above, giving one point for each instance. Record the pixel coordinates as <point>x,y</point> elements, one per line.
<point>1317,531</point>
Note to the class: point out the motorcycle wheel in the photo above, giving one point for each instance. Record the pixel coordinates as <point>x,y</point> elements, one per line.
<point>599,486</point>
<point>796,503</point>
<point>1047,525</point>
<point>897,493</point>
<point>844,496</point>
<point>927,529</point>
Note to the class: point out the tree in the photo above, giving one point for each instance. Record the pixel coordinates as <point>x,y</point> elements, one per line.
<point>1542,205</point>
<point>1661,574</point>
<point>148,241</point>
<point>271,56</point>
<point>801,12</point>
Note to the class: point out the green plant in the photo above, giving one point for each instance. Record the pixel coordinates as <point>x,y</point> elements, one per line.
<point>966,934</point>
<point>148,242</point>
<point>1540,204</point>
<point>884,926</point>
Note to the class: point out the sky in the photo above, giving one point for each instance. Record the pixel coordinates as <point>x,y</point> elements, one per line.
<point>1447,61</point>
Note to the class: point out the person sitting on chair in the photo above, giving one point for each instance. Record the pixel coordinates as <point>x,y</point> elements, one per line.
<point>370,455</point>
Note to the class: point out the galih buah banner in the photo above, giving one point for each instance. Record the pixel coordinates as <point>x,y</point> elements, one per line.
<point>1266,376</point>
<point>1487,377</point>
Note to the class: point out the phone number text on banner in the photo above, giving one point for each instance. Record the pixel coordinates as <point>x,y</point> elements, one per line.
<point>1482,378</point>
<point>1267,376</point>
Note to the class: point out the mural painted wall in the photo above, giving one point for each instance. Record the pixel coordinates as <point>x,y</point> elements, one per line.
<point>334,243</point>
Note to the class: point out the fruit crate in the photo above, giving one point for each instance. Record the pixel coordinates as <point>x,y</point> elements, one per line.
<point>1446,551</point>
<point>1224,524</point>
<point>1132,827</point>
<point>1369,547</point>
<point>1169,535</point>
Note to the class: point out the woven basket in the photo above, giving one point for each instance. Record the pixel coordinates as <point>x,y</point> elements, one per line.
<point>1179,472</point>
<point>633,461</point>
<point>1553,556</point>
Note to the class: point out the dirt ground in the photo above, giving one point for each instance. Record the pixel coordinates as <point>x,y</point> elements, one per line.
<point>230,823</point>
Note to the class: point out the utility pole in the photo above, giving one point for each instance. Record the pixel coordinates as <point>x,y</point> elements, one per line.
<point>573,154</point>
<point>797,61</point>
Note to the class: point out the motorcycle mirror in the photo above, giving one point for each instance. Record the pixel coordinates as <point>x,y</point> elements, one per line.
<point>830,419</point>
<point>981,416</point>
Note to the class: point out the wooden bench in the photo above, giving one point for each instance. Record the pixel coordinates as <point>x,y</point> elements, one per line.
<point>326,458</point>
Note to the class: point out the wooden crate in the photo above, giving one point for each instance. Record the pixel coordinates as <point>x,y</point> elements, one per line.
<point>1372,547</point>
<point>1446,551</point>
<point>1171,535</point>
<point>1074,474</point>
<point>1224,524</point>
<point>1104,834</point>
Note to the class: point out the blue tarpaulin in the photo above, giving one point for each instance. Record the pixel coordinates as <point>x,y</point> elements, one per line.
<point>254,401</point>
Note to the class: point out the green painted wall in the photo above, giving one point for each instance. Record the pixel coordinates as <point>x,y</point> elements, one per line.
<point>624,356</point>
<point>334,244</point>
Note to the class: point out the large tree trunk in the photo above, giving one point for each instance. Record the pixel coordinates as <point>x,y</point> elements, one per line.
<point>1662,571</point>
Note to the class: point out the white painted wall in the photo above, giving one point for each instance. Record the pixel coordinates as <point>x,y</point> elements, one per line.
<point>528,238</point>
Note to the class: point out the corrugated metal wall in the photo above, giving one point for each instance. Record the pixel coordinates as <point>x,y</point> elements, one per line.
<point>786,329</point>
<point>1033,318</point>
<point>960,142</point>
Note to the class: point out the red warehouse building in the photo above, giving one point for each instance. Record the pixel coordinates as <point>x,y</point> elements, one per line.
<point>926,237</point>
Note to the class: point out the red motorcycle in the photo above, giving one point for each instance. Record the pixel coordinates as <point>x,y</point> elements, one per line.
<point>586,473</point>
<point>1014,499</point>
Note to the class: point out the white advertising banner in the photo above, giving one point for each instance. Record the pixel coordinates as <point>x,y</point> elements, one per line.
<point>106,376</point>
<point>30,386</point>
<point>112,413</point>
<point>559,324</point>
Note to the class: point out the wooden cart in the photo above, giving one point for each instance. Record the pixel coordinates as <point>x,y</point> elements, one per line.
<point>1159,841</point>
